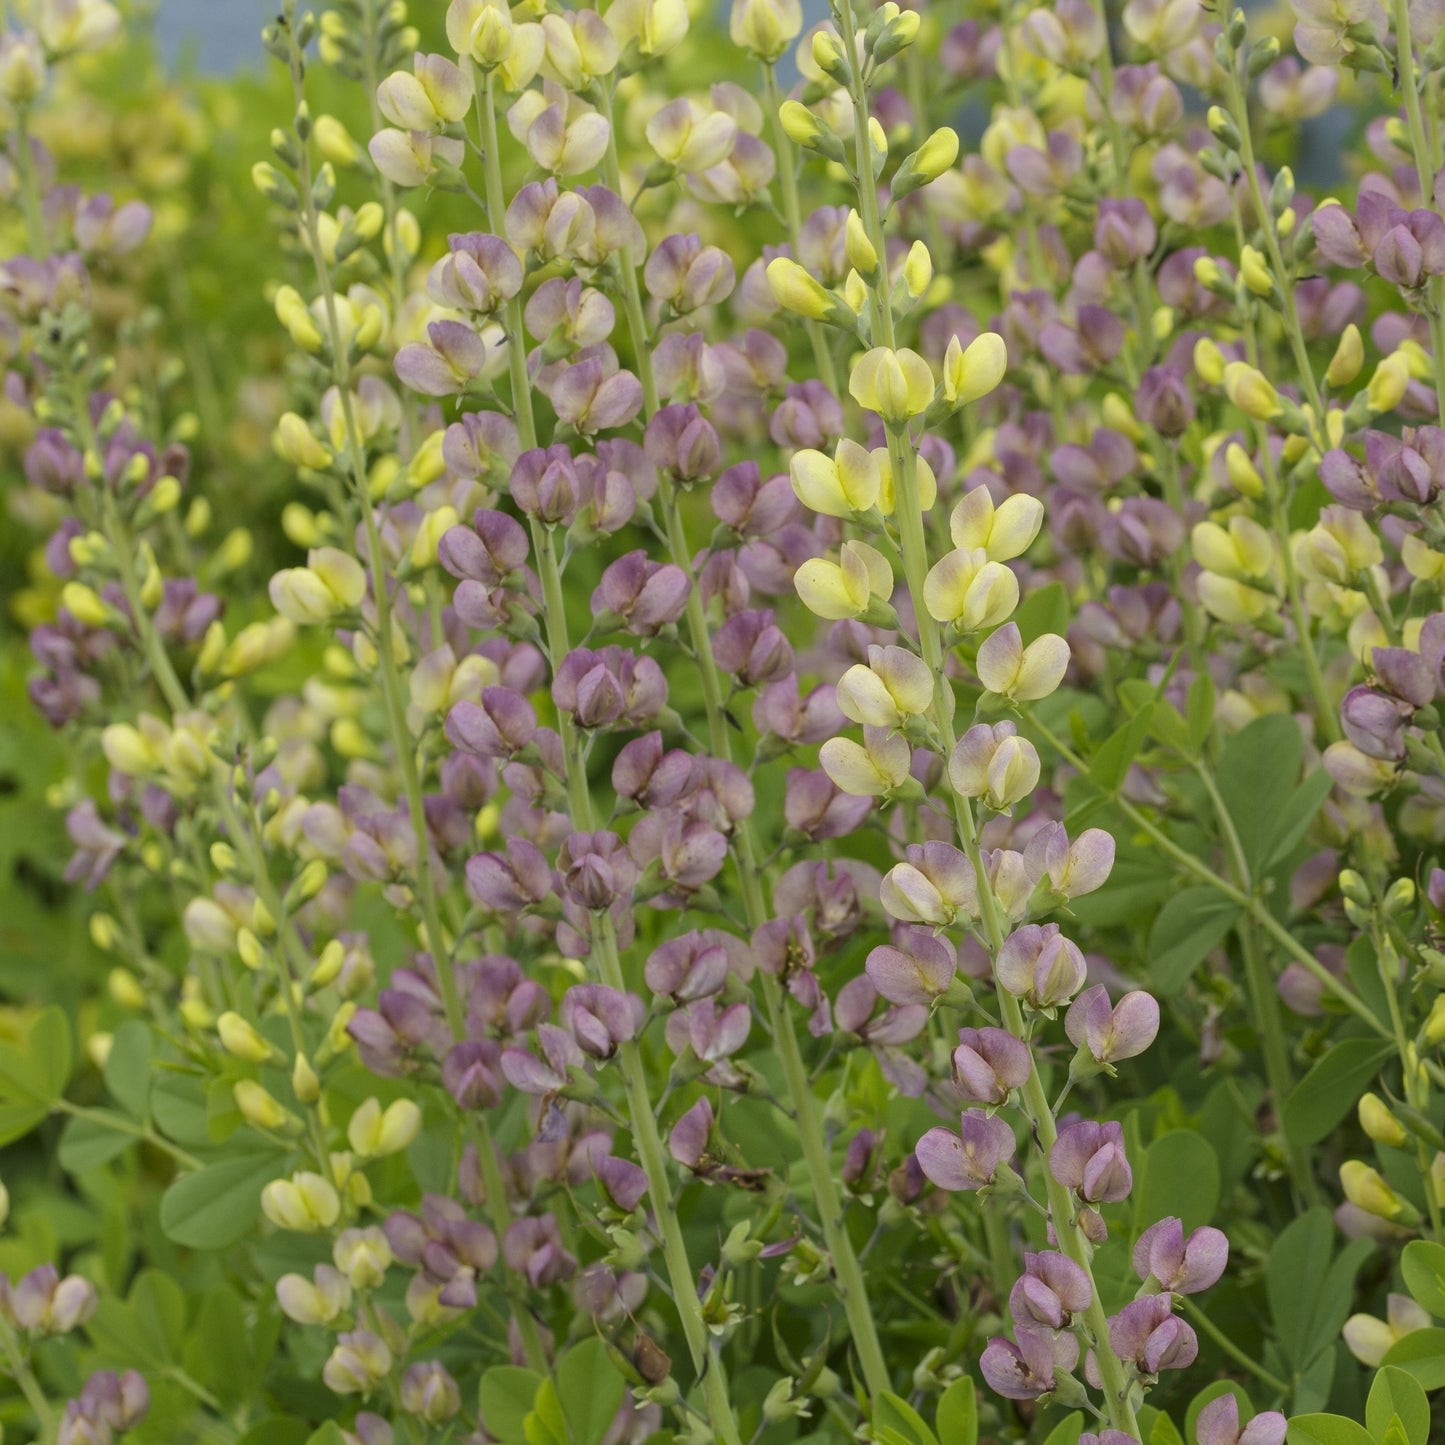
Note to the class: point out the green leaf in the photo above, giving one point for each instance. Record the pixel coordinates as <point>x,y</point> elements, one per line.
<point>1398,1395</point>
<point>37,1070</point>
<point>1422,1354</point>
<point>1423,1265</point>
<point>1118,750</point>
<point>87,1143</point>
<point>1331,1089</point>
<point>147,1329</point>
<point>178,1105</point>
<point>128,1067</point>
<point>890,1412</point>
<point>17,1120</point>
<point>277,1430</point>
<point>546,1425</point>
<point>215,1206</point>
<point>1189,925</point>
<point>1298,813</point>
<point>1180,1177</point>
<point>956,1420</point>
<point>1257,775</point>
<point>1044,610</point>
<point>1327,1430</point>
<point>329,1434</point>
<point>1067,1431</point>
<point>505,1399</point>
<point>1164,1431</point>
<point>218,1350</point>
<point>590,1390</point>
<point>1309,1298</point>
<point>1199,711</point>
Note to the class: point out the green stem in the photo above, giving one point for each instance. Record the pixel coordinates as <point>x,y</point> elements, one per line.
<point>1240,1357</point>
<point>641,1111</point>
<point>392,687</point>
<point>36,238</point>
<point>1426,145</point>
<point>24,1376</point>
<point>792,213</point>
<point>122,1125</point>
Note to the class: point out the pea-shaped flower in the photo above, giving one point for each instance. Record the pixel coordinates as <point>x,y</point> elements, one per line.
<point>689,137</point>
<point>877,769</point>
<point>1003,532</point>
<point>1089,1159</point>
<point>932,885</point>
<point>1024,674</point>
<point>971,372</point>
<point>897,384</point>
<point>895,684</point>
<point>1112,1031</point>
<point>838,486</point>
<point>331,582</point>
<point>970,1158</point>
<point>849,587</point>
<point>1039,965</point>
<point>434,95</point>
<point>1183,1266</point>
<point>994,764</point>
<point>969,591</point>
<point>765,28</point>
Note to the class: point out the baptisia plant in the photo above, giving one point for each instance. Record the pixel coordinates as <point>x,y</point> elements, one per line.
<point>813,774</point>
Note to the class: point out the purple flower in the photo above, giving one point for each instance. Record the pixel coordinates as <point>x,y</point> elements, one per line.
<point>500,725</point>
<point>1218,1424</point>
<point>691,967</point>
<point>1028,1369</point>
<point>970,1158</point>
<point>1038,964</point>
<point>916,969</point>
<point>646,595</point>
<point>988,1063</point>
<point>599,1018</point>
<point>1149,1333</point>
<point>1110,1032</point>
<point>1050,1292</point>
<point>622,1181</point>
<point>1089,1159</point>
<point>533,1247</point>
<point>1185,1266</point>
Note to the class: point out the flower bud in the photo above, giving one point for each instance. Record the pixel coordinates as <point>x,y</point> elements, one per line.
<point>1367,1191</point>
<point>1349,357</point>
<point>1379,1123</point>
<point>1248,389</point>
<point>241,1040</point>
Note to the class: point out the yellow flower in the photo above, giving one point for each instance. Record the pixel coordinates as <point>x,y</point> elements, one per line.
<point>836,486</point>
<point>972,372</point>
<point>896,384</point>
<point>1366,1190</point>
<point>878,767</point>
<point>1248,389</point>
<point>845,588</point>
<point>1003,532</point>
<point>970,591</point>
